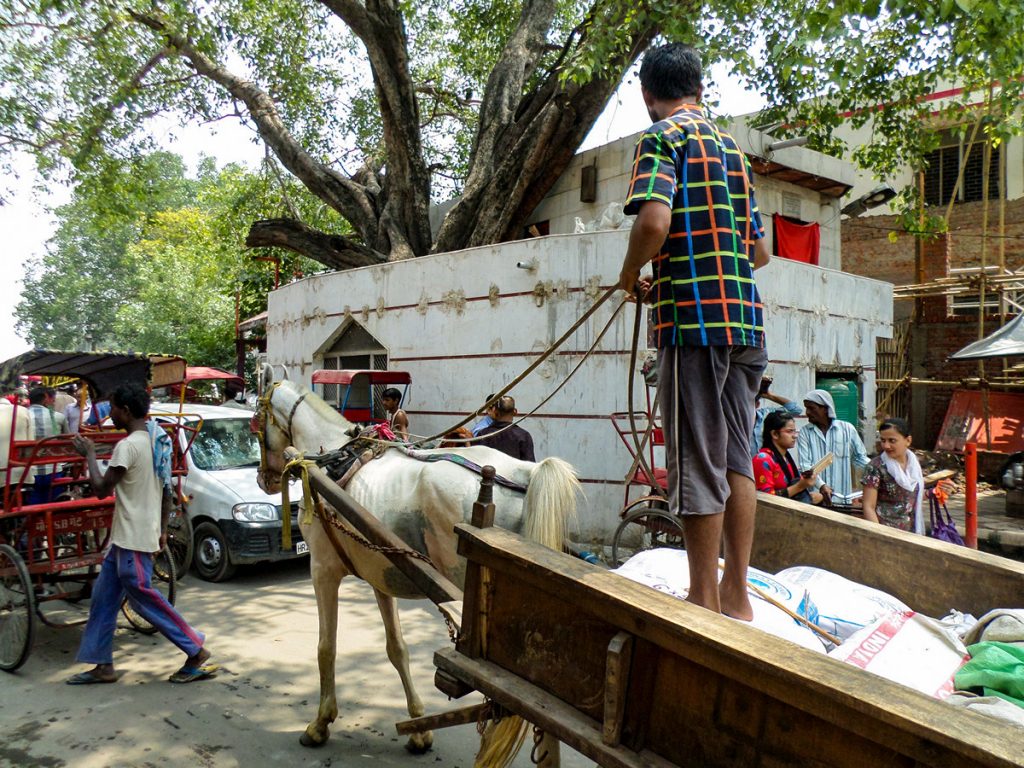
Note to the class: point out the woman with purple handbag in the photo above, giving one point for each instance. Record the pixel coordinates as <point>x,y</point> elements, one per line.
<point>893,482</point>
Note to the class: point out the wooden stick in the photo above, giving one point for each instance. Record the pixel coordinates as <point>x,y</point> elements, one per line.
<point>809,624</point>
<point>461,716</point>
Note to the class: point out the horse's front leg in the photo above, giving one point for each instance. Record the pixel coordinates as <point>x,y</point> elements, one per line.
<point>398,655</point>
<point>326,580</point>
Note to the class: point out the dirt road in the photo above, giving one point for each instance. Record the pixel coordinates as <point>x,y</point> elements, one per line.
<point>262,629</point>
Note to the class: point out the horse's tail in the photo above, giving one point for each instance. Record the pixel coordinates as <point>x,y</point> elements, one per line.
<point>550,503</point>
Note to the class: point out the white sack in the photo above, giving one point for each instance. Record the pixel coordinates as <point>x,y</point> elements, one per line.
<point>907,648</point>
<point>844,606</point>
<point>667,570</point>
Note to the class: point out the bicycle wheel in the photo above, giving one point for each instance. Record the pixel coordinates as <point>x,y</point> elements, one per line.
<point>645,528</point>
<point>17,610</point>
<point>180,543</point>
<point>164,581</point>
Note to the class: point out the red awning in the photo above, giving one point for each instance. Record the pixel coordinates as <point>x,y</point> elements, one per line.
<point>373,377</point>
<point>965,421</point>
<point>205,373</point>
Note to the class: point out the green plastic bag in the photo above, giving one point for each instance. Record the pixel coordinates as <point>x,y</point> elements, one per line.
<point>995,669</point>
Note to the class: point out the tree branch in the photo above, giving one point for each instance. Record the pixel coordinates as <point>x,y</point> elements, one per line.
<point>346,197</point>
<point>334,251</point>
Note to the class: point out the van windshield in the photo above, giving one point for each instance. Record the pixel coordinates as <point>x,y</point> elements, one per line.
<point>225,444</point>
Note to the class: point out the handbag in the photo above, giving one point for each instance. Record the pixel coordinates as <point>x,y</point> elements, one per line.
<point>943,528</point>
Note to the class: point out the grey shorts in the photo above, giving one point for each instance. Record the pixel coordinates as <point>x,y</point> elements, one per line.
<point>707,408</point>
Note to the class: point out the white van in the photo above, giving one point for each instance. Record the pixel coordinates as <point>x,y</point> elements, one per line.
<point>234,521</point>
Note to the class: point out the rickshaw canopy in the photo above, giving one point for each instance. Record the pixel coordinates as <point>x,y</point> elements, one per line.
<point>102,370</point>
<point>362,381</point>
<point>346,377</point>
<point>206,373</point>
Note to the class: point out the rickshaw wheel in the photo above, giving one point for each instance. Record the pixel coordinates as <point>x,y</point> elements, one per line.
<point>180,542</point>
<point>164,581</point>
<point>645,528</point>
<point>17,610</point>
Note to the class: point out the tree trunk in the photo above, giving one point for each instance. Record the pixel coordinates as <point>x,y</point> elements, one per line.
<point>518,161</point>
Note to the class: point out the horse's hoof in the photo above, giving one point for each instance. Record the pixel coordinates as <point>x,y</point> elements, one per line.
<point>420,743</point>
<point>308,741</point>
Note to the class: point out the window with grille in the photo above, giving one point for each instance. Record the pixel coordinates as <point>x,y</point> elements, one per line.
<point>943,165</point>
<point>355,349</point>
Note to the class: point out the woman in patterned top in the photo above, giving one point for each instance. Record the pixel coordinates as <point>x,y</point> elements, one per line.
<point>774,469</point>
<point>893,483</point>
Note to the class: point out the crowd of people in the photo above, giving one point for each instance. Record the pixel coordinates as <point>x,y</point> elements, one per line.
<point>892,484</point>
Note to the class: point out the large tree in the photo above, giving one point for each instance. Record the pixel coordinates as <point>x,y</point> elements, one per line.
<point>146,257</point>
<point>379,107</point>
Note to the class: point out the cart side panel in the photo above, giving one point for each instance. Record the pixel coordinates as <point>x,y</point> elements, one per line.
<point>930,576</point>
<point>564,654</point>
<point>702,689</point>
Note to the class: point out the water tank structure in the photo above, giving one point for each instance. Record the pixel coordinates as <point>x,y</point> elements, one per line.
<point>846,395</point>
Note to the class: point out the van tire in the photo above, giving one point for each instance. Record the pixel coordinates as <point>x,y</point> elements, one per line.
<point>210,555</point>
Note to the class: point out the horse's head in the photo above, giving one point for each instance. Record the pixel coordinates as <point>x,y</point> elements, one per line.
<point>289,414</point>
<point>272,440</point>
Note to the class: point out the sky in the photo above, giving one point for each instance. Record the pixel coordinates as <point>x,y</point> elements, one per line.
<point>27,223</point>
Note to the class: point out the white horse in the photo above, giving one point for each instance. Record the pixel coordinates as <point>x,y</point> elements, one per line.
<point>421,502</point>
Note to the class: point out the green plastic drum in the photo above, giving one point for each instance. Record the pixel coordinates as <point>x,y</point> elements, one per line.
<point>846,396</point>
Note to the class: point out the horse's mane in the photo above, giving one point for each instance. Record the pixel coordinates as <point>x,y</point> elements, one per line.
<point>323,413</point>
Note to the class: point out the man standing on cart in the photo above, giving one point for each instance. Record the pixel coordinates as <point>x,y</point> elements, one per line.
<point>693,195</point>
<point>139,530</point>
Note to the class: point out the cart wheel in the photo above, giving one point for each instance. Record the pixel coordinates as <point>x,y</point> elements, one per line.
<point>180,542</point>
<point>164,581</point>
<point>645,528</point>
<point>17,610</point>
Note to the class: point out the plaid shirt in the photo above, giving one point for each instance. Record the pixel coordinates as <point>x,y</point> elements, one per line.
<point>704,292</point>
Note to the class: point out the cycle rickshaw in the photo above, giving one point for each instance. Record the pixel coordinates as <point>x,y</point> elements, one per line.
<point>50,552</point>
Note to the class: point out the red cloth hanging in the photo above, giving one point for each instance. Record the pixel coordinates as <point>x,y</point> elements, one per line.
<point>800,242</point>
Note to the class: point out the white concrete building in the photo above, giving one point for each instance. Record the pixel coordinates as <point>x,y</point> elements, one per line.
<point>466,323</point>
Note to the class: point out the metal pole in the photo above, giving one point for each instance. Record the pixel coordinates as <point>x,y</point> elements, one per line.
<point>971,495</point>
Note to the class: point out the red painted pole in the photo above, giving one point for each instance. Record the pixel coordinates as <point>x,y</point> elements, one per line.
<point>971,495</point>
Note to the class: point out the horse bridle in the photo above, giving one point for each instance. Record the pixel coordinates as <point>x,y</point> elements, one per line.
<point>264,416</point>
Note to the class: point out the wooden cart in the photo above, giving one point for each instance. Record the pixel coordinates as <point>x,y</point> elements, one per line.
<point>632,677</point>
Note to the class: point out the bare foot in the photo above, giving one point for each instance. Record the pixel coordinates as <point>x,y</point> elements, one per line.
<point>736,605</point>
<point>199,659</point>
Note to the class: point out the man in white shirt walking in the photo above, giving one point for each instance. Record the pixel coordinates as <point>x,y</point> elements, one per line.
<point>139,530</point>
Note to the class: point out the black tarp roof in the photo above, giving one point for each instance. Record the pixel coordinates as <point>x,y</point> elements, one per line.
<point>103,370</point>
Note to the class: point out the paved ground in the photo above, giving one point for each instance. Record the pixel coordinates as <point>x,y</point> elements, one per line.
<point>998,532</point>
<point>262,629</point>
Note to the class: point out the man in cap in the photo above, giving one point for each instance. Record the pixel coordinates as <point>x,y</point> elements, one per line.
<point>825,434</point>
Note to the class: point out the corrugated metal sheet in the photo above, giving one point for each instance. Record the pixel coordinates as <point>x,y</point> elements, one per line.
<point>965,421</point>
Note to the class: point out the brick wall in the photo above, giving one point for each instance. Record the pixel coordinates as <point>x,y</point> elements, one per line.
<point>931,344</point>
<point>867,250</point>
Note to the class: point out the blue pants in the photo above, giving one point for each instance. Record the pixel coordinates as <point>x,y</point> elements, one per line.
<point>41,490</point>
<point>125,572</point>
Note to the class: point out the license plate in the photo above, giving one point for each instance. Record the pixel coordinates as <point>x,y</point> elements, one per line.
<point>301,547</point>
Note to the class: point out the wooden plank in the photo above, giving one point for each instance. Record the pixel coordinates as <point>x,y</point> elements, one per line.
<point>897,562</point>
<point>616,682</point>
<point>872,708</point>
<point>544,710</point>
<point>474,606</point>
<point>532,638</point>
<point>471,714</point>
<point>437,587</point>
